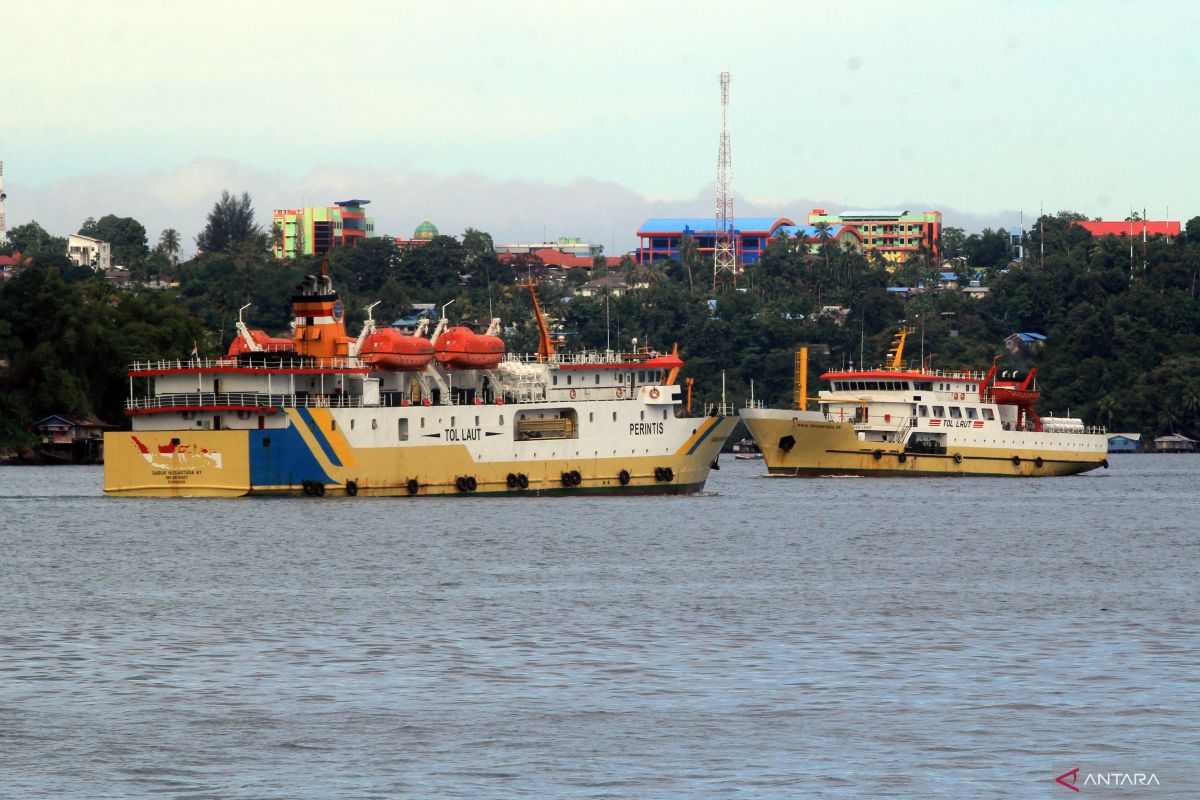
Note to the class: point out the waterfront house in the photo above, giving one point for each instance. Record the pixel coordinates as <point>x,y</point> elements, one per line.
<point>1174,443</point>
<point>67,438</point>
<point>1124,443</point>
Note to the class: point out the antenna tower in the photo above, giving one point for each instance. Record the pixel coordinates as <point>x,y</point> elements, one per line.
<point>725,249</point>
<point>3,224</point>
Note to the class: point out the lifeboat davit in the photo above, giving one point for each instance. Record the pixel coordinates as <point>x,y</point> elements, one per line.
<point>462,348</point>
<point>268,343</point>
<point>390,349</point>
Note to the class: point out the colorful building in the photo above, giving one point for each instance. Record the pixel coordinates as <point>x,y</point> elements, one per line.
<point>894,234</point>
<point>1148,228</point>
<point>314,231</point>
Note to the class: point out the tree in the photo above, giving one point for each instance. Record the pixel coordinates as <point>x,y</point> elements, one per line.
<point>168,244</point>
<point>689,256</point>
<point>823,235</point>
<point>231,223</point>
<point>125,235</point>
<point>32,238</point>
<point>954,241</point>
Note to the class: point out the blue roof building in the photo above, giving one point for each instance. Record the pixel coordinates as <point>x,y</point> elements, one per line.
<point>659,238</point>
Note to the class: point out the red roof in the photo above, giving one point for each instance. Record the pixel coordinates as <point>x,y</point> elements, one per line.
<point>1152,228</point>
<point>14,260</point>
<point>556,258</point>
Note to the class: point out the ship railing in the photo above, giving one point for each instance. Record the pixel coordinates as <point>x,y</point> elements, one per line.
<point>243,399</point>
<point>718,409</point>
<point>585,357</point>
<point>263,362</point>
<point>950,374</point>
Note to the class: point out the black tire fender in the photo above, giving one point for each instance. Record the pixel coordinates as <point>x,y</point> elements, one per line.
<point>352,488</point>
<point>623,477</point>
<point>522,480</point>
<point>958,458</point>
<point>412,486</point>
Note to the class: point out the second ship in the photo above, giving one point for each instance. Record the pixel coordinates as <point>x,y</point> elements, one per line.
<point>904,422</point>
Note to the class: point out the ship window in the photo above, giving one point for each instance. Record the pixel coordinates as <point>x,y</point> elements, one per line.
<point>555,380</point>
<point>597,378</point>
<point>476,421</point>
<point>266,442</point>
<point>939,411</point>
<point>568,380</point>
<point>972,413</point>
<point>351,424</point>
<point>452,422</point>
<point>422,422</point>
<point>333,424</point>
<point>374,424</point>
<point>924,411</point>
<point>955,412</point>
<point>501,420</point>
<point>614,416</point>
<point>402,429</point>
<point>642,415</point>
<point>987,414</point>
<point>591,417</point>
<point>664,413</point>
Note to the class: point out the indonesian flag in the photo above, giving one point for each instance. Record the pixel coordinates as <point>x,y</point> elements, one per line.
<point>195,349</point>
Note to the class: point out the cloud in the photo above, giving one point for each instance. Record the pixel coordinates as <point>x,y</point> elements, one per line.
<point>602,212</point>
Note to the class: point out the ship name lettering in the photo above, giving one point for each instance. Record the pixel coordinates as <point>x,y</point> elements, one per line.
<point>646,428</point>
<point>463,434</point>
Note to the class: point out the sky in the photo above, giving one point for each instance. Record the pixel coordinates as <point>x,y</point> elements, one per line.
<point>538,119</point>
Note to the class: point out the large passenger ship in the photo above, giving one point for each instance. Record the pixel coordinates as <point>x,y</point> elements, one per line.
<point>396,412</point>
<point>895,421</point>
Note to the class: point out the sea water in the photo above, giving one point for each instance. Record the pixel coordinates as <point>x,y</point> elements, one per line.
<point>772,637</point>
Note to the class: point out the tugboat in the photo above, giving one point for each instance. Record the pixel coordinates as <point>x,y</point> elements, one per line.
<point>392,412</point>
<point>894,421</point>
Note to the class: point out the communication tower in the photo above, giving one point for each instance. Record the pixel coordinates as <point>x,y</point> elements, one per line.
<point>725,249</point>
<point>3,224</point>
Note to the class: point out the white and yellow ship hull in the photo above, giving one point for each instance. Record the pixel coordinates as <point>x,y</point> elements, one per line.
<point>419,451</point>
<point>797,443</point>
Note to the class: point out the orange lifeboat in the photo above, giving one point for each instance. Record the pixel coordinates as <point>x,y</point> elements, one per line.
<point>390,349</point>
<point>462,348</point>
<point>269,343</point>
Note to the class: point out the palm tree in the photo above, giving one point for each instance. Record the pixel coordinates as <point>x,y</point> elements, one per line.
<point>1190,400</point>
<point>1107,407</point>
<point>823,236</point>
<point>168,244</point>
<point>689,256</point>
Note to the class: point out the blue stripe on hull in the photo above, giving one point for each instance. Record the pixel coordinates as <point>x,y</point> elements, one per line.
<point>286,462</point>
<point>319,435</point>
